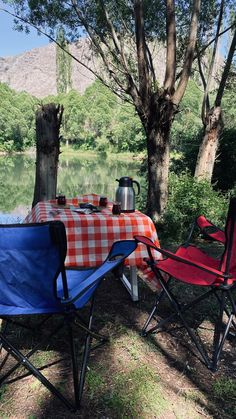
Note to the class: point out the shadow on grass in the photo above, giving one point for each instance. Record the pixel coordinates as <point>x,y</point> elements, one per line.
<point>127,377</point>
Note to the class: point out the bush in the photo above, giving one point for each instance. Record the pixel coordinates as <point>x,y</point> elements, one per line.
<point>189,198</point>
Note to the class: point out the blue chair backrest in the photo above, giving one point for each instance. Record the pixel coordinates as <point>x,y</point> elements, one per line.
<point>31,257</point>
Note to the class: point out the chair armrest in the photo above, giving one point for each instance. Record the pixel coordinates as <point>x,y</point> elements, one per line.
<point>91,281</point>
<point>198,265</point>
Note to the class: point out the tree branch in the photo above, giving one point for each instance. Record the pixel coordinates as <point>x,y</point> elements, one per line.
<point>207,45</point>
<point>150,63</point>
<point>143,73</point>
<point>120,50</point>
<point>27,22</point>
<point>205,101</point>
<point>189,54</point>
<point>171,47</point>
<point>226,71</point>
<point>109,66</point>
<point>213,39</point>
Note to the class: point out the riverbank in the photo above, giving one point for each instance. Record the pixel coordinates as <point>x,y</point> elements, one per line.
<point>71,152</point>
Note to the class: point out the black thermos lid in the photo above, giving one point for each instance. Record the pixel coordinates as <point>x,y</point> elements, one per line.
<point>125,181</point>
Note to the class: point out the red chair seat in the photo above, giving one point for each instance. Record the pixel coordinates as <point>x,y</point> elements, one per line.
<point>188,273</point>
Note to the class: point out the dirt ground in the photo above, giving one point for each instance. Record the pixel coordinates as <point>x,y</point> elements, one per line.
<point>130,376</point>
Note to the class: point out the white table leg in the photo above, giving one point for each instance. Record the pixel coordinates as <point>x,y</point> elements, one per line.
<point>131,284</point>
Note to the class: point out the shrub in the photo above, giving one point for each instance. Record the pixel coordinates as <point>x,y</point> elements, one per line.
<point>189,198</point>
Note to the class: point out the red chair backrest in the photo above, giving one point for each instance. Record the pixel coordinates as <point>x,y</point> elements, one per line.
<point>210,230</point>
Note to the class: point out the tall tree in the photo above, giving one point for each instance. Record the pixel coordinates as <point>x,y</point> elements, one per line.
<point>63,63</point>
<point>212,117</point>
<point>125,35</point>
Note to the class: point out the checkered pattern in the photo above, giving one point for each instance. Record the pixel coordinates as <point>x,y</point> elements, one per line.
<point>90,237</point>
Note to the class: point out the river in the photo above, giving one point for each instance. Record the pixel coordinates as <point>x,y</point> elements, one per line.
<point>77,174</point>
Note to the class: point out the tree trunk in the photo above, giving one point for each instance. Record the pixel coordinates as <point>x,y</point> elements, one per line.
<point>158,146</point>
<point>158,169</point>
<point>48,121</point>
<point>208,148</point>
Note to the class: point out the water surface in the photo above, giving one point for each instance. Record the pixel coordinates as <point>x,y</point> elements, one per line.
<point>76,175</point>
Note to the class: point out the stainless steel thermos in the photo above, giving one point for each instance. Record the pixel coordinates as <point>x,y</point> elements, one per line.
<point>125,193</point>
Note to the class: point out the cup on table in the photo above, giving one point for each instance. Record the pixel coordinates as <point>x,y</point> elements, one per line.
<point>61,200</point>
<point>103,201</point>
<point>116,208</point>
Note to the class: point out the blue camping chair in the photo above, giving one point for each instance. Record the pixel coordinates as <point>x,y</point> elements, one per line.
<point>34,281</point>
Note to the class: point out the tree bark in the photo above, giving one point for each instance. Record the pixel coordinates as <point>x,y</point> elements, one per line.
<point>48,121</point>
<point>208,148</point>
<point>158,147</point>
<point>213,125</point>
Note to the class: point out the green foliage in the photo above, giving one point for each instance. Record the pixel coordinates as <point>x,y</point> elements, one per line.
<point>63,63</point>
<point>99,121</point>
<point>17,115</point>
<point>186,130</point>
<point>126,132</point>
<point>95,121</point>
<point>189,198</point>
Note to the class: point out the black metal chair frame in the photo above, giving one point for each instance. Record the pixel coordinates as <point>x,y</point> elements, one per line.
<point>220,331</point>
<point>70,319</point>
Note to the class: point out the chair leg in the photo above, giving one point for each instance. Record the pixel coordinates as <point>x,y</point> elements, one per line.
<point>79,322</point>
<point>86,352</point>
<point>74,364</point>
<point>179,312</point>
<point>218,338</point>
<point>28,355</point>
<point>159,298</point>
<point>226,310</point>
<point>27,364</point>
<point>233,304</point>
<point>220,332</point>
<point>4,329</point>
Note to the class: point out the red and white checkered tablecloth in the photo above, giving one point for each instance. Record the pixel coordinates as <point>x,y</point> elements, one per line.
<point>90,236</point>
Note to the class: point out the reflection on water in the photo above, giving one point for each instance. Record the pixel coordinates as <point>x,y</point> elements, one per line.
<point>76,175</point>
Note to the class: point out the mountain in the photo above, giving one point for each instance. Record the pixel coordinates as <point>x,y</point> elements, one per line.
<point>34,71</point>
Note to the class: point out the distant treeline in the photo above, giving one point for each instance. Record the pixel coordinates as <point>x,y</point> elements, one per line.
<point>98,120</point>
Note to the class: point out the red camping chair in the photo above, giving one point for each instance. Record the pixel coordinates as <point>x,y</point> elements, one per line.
<point>192,266</point>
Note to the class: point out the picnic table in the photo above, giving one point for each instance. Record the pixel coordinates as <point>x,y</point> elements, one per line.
<point>90,236</point>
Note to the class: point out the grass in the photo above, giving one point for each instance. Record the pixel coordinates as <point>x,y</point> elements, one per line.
<point>129,377</point>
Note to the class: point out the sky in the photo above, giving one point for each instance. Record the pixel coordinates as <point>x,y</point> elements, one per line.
<point>13,42</point>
